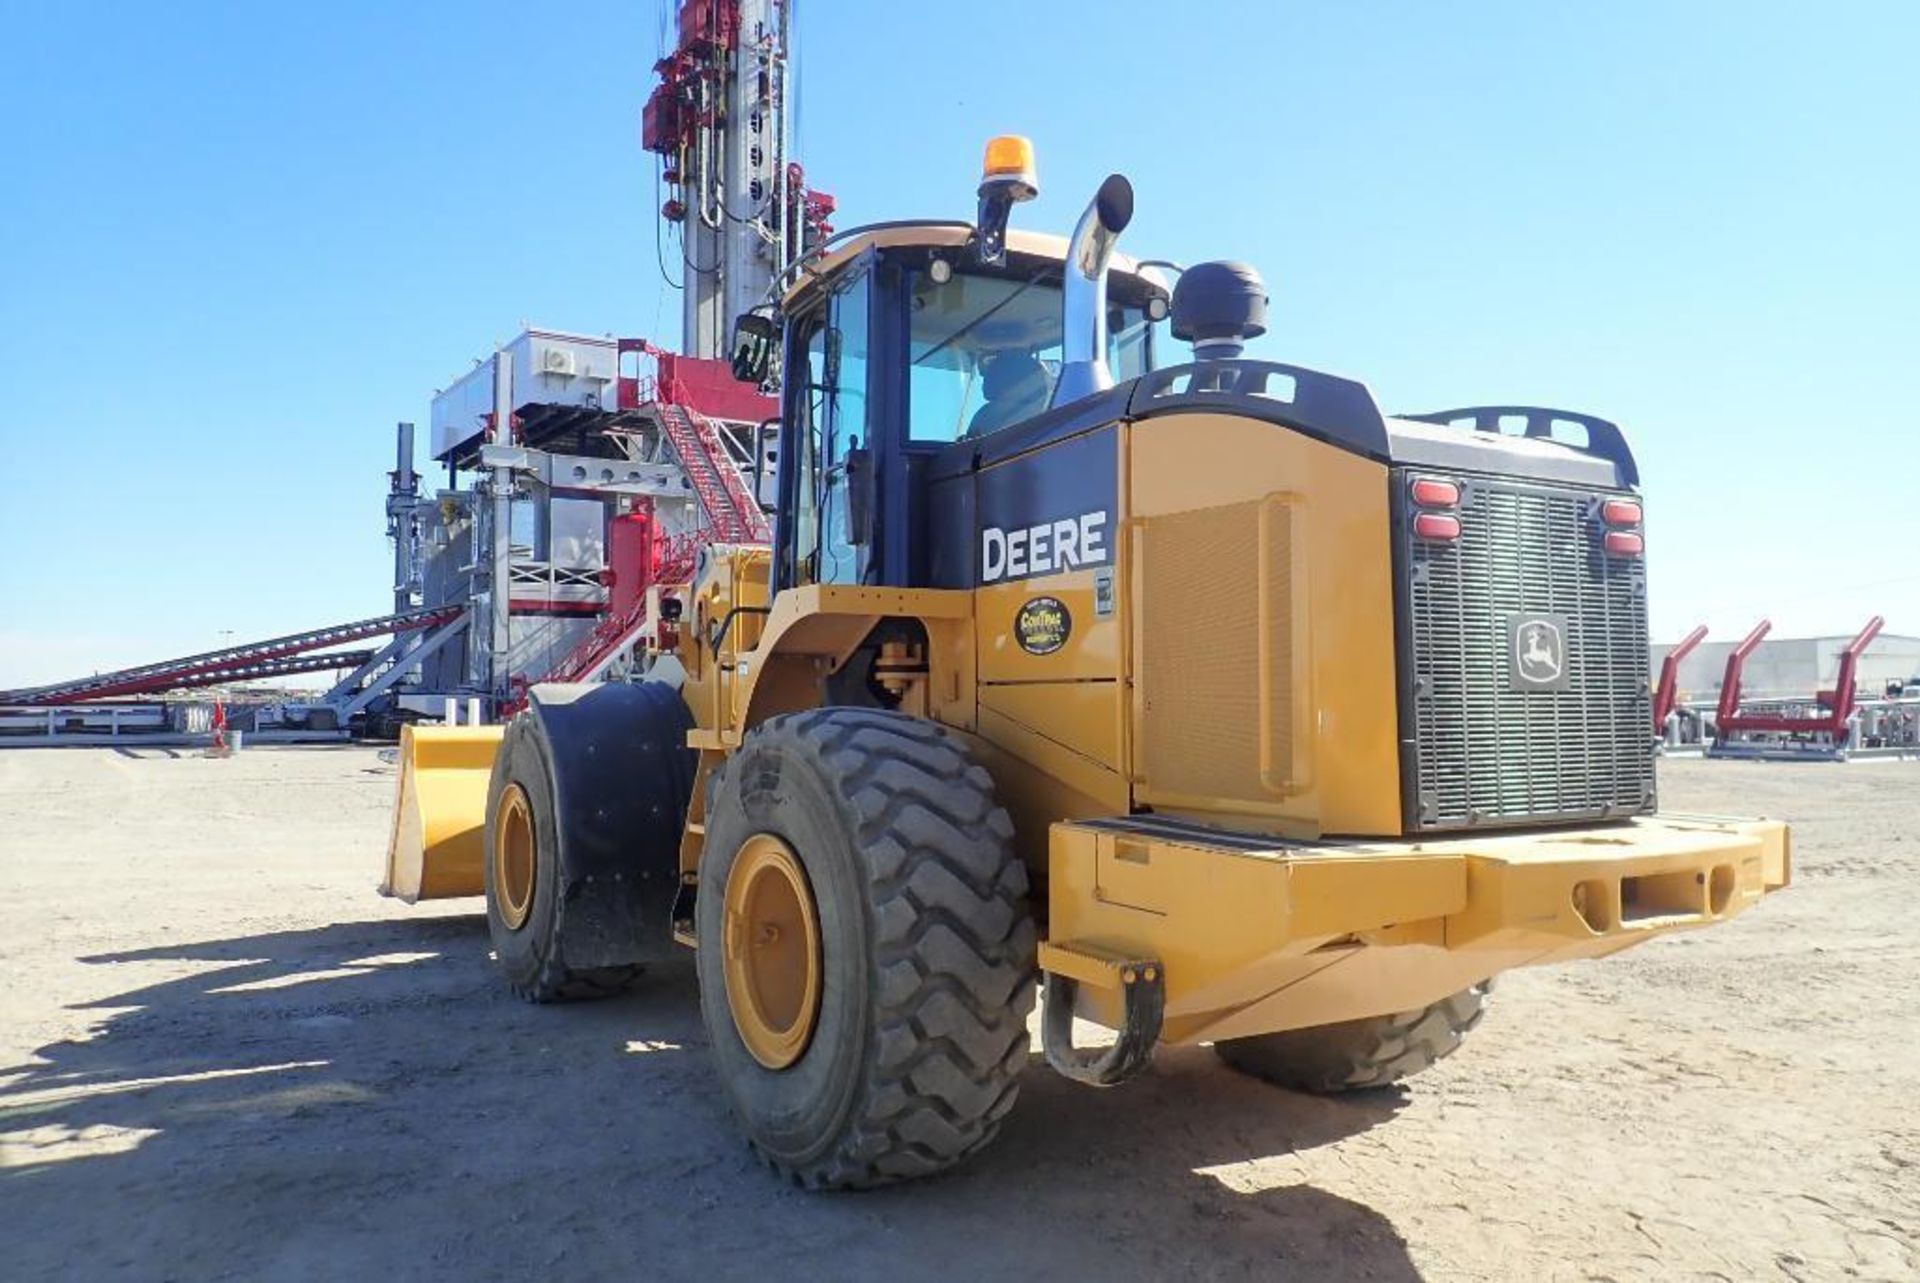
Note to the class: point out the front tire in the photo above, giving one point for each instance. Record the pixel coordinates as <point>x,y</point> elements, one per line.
<point>898,1055</point>
<point>522,874</point>
<point>1356,1055</point>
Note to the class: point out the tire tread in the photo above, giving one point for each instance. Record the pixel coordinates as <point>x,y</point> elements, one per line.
<point>550,980</point>
<point>1360,1055</point>
<point>953,971</point>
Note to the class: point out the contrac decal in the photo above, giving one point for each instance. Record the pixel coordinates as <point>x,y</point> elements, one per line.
<point>1042,626</point>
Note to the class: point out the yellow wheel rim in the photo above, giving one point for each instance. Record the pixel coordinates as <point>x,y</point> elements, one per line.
<point>513,857</point>
<point>771,951</point>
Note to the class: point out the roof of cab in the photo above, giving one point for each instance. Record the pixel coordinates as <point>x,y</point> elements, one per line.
<point>858,240</point>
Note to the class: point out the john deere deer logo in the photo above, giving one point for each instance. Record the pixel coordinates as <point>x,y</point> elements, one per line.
<point>1539,652</point>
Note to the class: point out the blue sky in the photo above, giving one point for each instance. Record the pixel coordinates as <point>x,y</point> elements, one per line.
<point>238,241</point>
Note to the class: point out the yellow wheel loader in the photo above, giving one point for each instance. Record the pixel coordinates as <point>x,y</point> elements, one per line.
<point>1201,695</point>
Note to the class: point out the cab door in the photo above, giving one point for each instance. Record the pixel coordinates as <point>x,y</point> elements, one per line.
<point>823,534</point>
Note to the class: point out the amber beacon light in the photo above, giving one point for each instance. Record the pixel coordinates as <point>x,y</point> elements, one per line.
<point>1009,164</point>
<point>1007,177</point>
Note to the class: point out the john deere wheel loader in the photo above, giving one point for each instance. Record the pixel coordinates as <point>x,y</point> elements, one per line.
<point>1221,705</point>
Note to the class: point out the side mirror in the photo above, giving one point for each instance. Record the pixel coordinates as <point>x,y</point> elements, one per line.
<point>859,496</point>
<point>755,335</point>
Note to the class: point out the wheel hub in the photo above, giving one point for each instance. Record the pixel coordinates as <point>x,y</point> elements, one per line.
<point>771,951</point>
<point>513,857</point>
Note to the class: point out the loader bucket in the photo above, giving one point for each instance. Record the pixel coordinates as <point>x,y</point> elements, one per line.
<point>440,812</point>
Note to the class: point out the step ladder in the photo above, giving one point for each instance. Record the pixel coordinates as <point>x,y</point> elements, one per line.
<point>731,508</point>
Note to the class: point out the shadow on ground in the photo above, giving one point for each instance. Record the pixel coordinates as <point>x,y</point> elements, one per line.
<point>365,1098</point>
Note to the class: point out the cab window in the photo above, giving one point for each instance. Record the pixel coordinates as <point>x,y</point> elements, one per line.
<point>984,351</point>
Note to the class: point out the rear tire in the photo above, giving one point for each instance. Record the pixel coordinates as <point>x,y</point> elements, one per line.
<point>524,907</point>
<point>1356,1055</point>
<point>925,956</point>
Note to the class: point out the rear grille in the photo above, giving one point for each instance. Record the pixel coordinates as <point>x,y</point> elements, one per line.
<point>1480,746</point>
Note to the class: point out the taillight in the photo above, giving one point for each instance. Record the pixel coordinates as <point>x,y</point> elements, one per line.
<point>1432,492</point>
<point>1625,543</point>
<point>1438,526</point>
<point>1620,512</point>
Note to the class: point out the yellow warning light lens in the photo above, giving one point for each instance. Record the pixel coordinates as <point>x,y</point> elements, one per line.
<point>1009,154</point>
<point>1010,160</point>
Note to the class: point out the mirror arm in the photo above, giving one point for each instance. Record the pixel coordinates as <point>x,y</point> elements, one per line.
<point>760,455</point>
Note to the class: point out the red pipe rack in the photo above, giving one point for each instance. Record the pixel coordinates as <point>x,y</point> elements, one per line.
<point>1732,721</point>
<point>1667,692</point>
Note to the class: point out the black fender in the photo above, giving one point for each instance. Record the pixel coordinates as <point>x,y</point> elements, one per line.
<point>622,775</point>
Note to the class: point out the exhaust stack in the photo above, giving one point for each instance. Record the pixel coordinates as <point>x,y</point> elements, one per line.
<point>1083,367</point>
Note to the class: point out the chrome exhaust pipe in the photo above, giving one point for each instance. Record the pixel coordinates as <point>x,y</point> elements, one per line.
<point>1083,336</point>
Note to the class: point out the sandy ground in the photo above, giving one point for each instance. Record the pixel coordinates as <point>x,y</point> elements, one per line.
<point>225,1057</point>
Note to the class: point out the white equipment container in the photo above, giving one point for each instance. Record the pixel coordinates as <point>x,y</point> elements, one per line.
<point>548,367</point>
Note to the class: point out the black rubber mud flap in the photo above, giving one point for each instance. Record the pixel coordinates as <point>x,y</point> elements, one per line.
<point>622,775</point>
<point>1144,1003</point>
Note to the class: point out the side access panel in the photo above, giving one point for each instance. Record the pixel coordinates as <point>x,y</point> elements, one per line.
<point>1260,647</point>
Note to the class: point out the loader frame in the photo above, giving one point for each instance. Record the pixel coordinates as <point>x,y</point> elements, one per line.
<point>1173,913</point>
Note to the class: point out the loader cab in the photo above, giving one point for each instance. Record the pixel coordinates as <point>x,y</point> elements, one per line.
<point>900,349</point>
